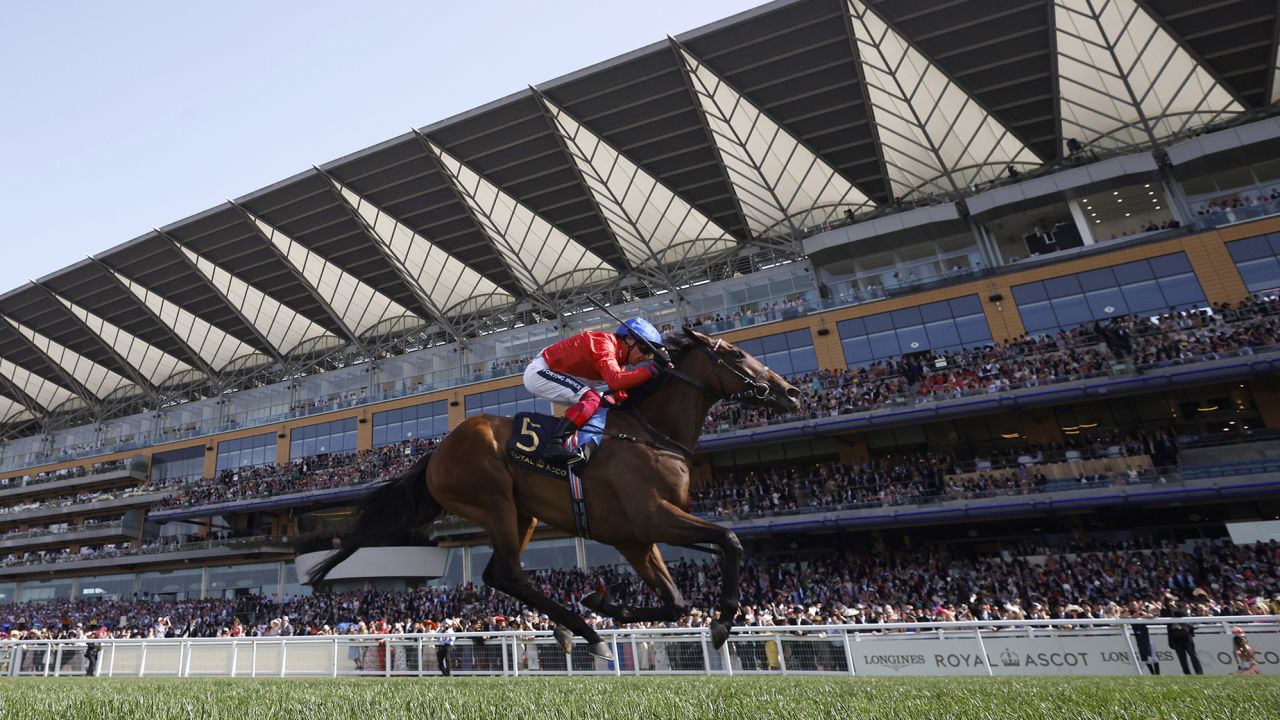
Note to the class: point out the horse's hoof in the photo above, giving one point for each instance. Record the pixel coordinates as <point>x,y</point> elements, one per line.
<point>564,636</point>
<point>719,633</point>
<point>601,650</point>
<point>594,601</point>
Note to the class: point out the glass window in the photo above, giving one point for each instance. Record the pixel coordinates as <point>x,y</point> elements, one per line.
<point>1258,261</point>
<point>170,584</point>
<point>940,326</point>
<point>506,401</point>
<point>247,451</point>
<point>41,590</point>
<point>789,353</point>
<point>181,464</point>
<point>8,593</point>
<point>1250,248</point>
<point>106,587</point>
<point>420,421</point>
<point>258,579</point>
<point>331,438</point>
<point>1143,287</point>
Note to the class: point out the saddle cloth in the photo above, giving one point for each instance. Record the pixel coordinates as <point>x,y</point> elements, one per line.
<point>529,436</point>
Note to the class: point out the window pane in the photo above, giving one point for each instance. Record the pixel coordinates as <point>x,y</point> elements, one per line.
<point>1144,297</point>
<point>1181,290</point>
<point>1107,303</point>
<point>943,334</point>
<point>1037,317</point>
<point>1071,310</point>
<point>913,339</point>
<point>1031,292</point>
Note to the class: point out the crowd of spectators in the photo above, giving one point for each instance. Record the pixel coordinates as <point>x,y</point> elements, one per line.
<point>1237,202</point>
<point>67,473</point>
<point>318,472</point>
<point>1087,350</point>
<point>751,314</point>
<point>82,498</point>
<point>1206,578</point>
<point>919,478</point>
<point>329,402</point>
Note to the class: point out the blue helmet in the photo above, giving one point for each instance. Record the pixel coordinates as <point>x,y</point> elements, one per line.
<point>639,327</point>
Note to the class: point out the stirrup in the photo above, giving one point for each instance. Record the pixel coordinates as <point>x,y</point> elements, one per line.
<point>557,452</point>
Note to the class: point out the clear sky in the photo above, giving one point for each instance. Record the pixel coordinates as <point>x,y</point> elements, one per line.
<point>119,116</point>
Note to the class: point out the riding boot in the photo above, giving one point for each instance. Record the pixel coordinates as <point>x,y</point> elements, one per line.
<point>556,449</point>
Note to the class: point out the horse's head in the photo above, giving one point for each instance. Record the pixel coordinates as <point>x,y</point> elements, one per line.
<point>733,374</point>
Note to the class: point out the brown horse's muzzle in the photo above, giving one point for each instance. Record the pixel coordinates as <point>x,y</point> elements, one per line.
<point>783,396</point>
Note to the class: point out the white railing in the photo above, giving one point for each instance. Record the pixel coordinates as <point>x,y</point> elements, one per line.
<point>1002,647</point>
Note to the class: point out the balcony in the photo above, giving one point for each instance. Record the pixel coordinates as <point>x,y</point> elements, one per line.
<point>87,534</point>
<point>105,561</point>
<point>143,497</point>
<point>56,484</point>
<point>906,409</point>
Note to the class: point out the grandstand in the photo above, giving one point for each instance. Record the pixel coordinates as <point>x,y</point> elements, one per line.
<point>1026,276</point>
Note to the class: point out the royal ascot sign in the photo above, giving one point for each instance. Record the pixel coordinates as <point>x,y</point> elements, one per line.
<point>1013,652</point>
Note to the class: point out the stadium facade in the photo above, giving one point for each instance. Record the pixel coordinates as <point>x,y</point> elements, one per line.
<point>834,184</point>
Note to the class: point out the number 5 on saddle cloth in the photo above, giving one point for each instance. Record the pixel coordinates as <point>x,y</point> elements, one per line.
<point>531,433</point>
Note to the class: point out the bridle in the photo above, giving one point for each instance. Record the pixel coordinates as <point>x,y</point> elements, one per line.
<point>754,389</point>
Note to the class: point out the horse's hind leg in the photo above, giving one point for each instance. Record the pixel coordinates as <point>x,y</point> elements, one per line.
<point>652,569</point>
<point>503,573</point>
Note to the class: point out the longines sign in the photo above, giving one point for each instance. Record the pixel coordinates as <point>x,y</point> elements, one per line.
<point>1013,653</point>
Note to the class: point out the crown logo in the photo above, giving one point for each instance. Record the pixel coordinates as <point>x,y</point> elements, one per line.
<point>1009,658</point>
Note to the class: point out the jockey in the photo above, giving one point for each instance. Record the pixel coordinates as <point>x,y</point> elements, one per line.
<point>621,360</point>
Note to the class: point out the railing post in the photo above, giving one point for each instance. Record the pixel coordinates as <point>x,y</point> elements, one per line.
<point>506,658</point>
<point>57,659</point>
<point>1133,648</point>
<point>782,658</point>
<point>386,658</point>
<point>982,647</point>
<point>333,659</point>
<point>635,654</point>
<point>419,654</point>
<point>111,666</point>
<point>726,658</point>
<point>142,658</point>
<point>706,654</point>
<point>848,653</point>
<point>283,648</point>
<point>48,655</point>
<point>234,656</point>
<point>253,657</point>
<point>617,656</point>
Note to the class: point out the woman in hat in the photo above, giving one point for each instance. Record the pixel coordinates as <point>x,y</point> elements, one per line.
<point>1246,658</point>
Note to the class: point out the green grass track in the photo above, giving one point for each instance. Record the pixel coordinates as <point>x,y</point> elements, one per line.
<point>599,698</point>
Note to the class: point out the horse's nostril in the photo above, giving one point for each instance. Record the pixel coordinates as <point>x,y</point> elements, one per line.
<point>793,393</point>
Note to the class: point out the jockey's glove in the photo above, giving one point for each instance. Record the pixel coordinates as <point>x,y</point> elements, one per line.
<point>649,367</point>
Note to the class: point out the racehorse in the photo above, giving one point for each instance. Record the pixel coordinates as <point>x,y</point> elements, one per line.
<point>638,482</point>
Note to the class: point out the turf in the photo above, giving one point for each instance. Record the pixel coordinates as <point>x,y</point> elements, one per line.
<point>598,698</point>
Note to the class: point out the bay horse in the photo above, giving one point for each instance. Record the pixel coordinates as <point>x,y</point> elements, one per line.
<point>637,481</point>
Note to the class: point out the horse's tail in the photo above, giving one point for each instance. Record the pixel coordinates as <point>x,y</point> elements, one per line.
<point>387,515</point>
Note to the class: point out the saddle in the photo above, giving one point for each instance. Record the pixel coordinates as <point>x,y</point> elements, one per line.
<point>531,434</point>
<point>532,431</point>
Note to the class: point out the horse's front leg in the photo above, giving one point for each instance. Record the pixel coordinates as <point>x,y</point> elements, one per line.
<point>669,524</point>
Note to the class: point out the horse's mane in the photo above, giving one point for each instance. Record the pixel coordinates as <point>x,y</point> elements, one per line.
<point>677,344</point>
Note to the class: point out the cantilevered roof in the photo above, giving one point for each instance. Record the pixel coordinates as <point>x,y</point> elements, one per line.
<point>744,132</point>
